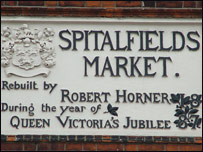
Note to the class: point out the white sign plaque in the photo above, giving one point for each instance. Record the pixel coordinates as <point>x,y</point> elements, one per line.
<point>82,76</point>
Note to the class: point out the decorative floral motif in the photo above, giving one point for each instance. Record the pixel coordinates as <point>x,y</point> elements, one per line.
<point>112,110</point>
<point>186,110</point>
<point>26,48</point>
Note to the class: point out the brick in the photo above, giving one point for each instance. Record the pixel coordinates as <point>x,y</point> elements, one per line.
<point>51,3</point>
<point>190,4</point>
<point>140,139</point>
<point>72,3</point>
<point>54,138</point>
<point>93,3</point>
<point>106,138</point>
<point>3,138</point>
<point>191,147</point>
<point>198,140</point>
<point>191,140</point>
<point>182,139</point>
<point>71,138</point>
<point>128,4</point>
<point>36,138</point>
<point>11,138</point>
<point>45,138</point>
<point>31,3</point>
<point>169,4</point>
<point>130,147</point>
<point>19,138</point>
<point>149,3</point>
<point>101,12</point>
<point>109,147</point>
<point>174,139</point>
<point>63,138</point>
<point>151,147</point>
<point>28,138</point>
<point>123,138</point>
<point>98,138</point>
<point>90,138</point>
<point>44,146</point>
<point>11,146</point>
<point>108,4</point>
<point>132,139</point>
<point>11,3</point>
<point>199,4</point>
<point>115,138</point>
<point>80,138</point>
<point>57,146</point>
<point>172,147</point>
<point>165,139</point>
<point>74,146</point>
<point>90,147</point>
<point>2,3</point>
<point>149,139</point>
<point>29,146</point>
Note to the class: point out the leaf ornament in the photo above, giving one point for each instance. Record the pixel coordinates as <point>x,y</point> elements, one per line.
<point>175,98</point>
<point>112,110</point>
<point>193,111</point>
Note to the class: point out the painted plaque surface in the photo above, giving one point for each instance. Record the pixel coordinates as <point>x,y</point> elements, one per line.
<point>136,77</point>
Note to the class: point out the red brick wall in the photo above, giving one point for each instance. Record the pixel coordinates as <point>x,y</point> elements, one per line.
<point>146,9</point>
<point>100,143</point>
<point>160,9</point>
<point>107,4</point>
<point>29,146</point>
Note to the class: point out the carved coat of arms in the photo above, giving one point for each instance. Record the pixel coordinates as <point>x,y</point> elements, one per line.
<point>26,52</point>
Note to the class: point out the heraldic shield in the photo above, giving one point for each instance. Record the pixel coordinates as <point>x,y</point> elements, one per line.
<point>26,52</point>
